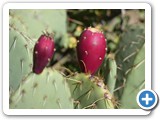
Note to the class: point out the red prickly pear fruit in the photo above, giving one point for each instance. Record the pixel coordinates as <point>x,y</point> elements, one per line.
<point>43,53</point>
<point>91,50</point>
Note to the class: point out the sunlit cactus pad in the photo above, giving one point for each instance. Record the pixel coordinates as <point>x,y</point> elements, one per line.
<point>90,92</point>
<point>45,91</point>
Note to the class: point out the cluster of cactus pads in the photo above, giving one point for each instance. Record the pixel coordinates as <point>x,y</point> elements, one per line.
<point>34,84</point>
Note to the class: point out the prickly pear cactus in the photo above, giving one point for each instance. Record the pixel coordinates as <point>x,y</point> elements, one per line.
<point>135,81</point>
<point>34,21</point>
<point>109,72</point>
<point>112,75</point>
<point>90,92</point>
<point>45,91</point>
<point>131,41</point>
<point>25,28</point>
<point>20,58</point>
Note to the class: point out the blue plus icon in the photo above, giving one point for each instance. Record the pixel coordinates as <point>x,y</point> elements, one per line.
<point>147,99</point>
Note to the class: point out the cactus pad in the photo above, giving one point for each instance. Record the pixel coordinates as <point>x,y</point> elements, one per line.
<point>20,58</point>
<point>89,93</point>
<point>112,75</point>
<point>33,22</point>
<point>131,41</point>
<point>135,81</point>
<point>44,91</point>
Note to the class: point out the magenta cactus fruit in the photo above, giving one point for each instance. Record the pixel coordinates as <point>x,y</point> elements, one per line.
<point>43,53</point>
<point>91,50</point>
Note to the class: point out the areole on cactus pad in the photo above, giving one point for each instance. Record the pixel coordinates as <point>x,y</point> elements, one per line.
<point>43,53</point>
<point>91,50</point>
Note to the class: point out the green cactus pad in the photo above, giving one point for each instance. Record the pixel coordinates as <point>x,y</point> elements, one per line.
<point>112,75</point>
<point>131,41</point>
<point>135,81</point>
<point>26,26</point>
<point>20,58</point>
<point>89,93</point>
<point>33,22</point>
<point>49,90</point>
